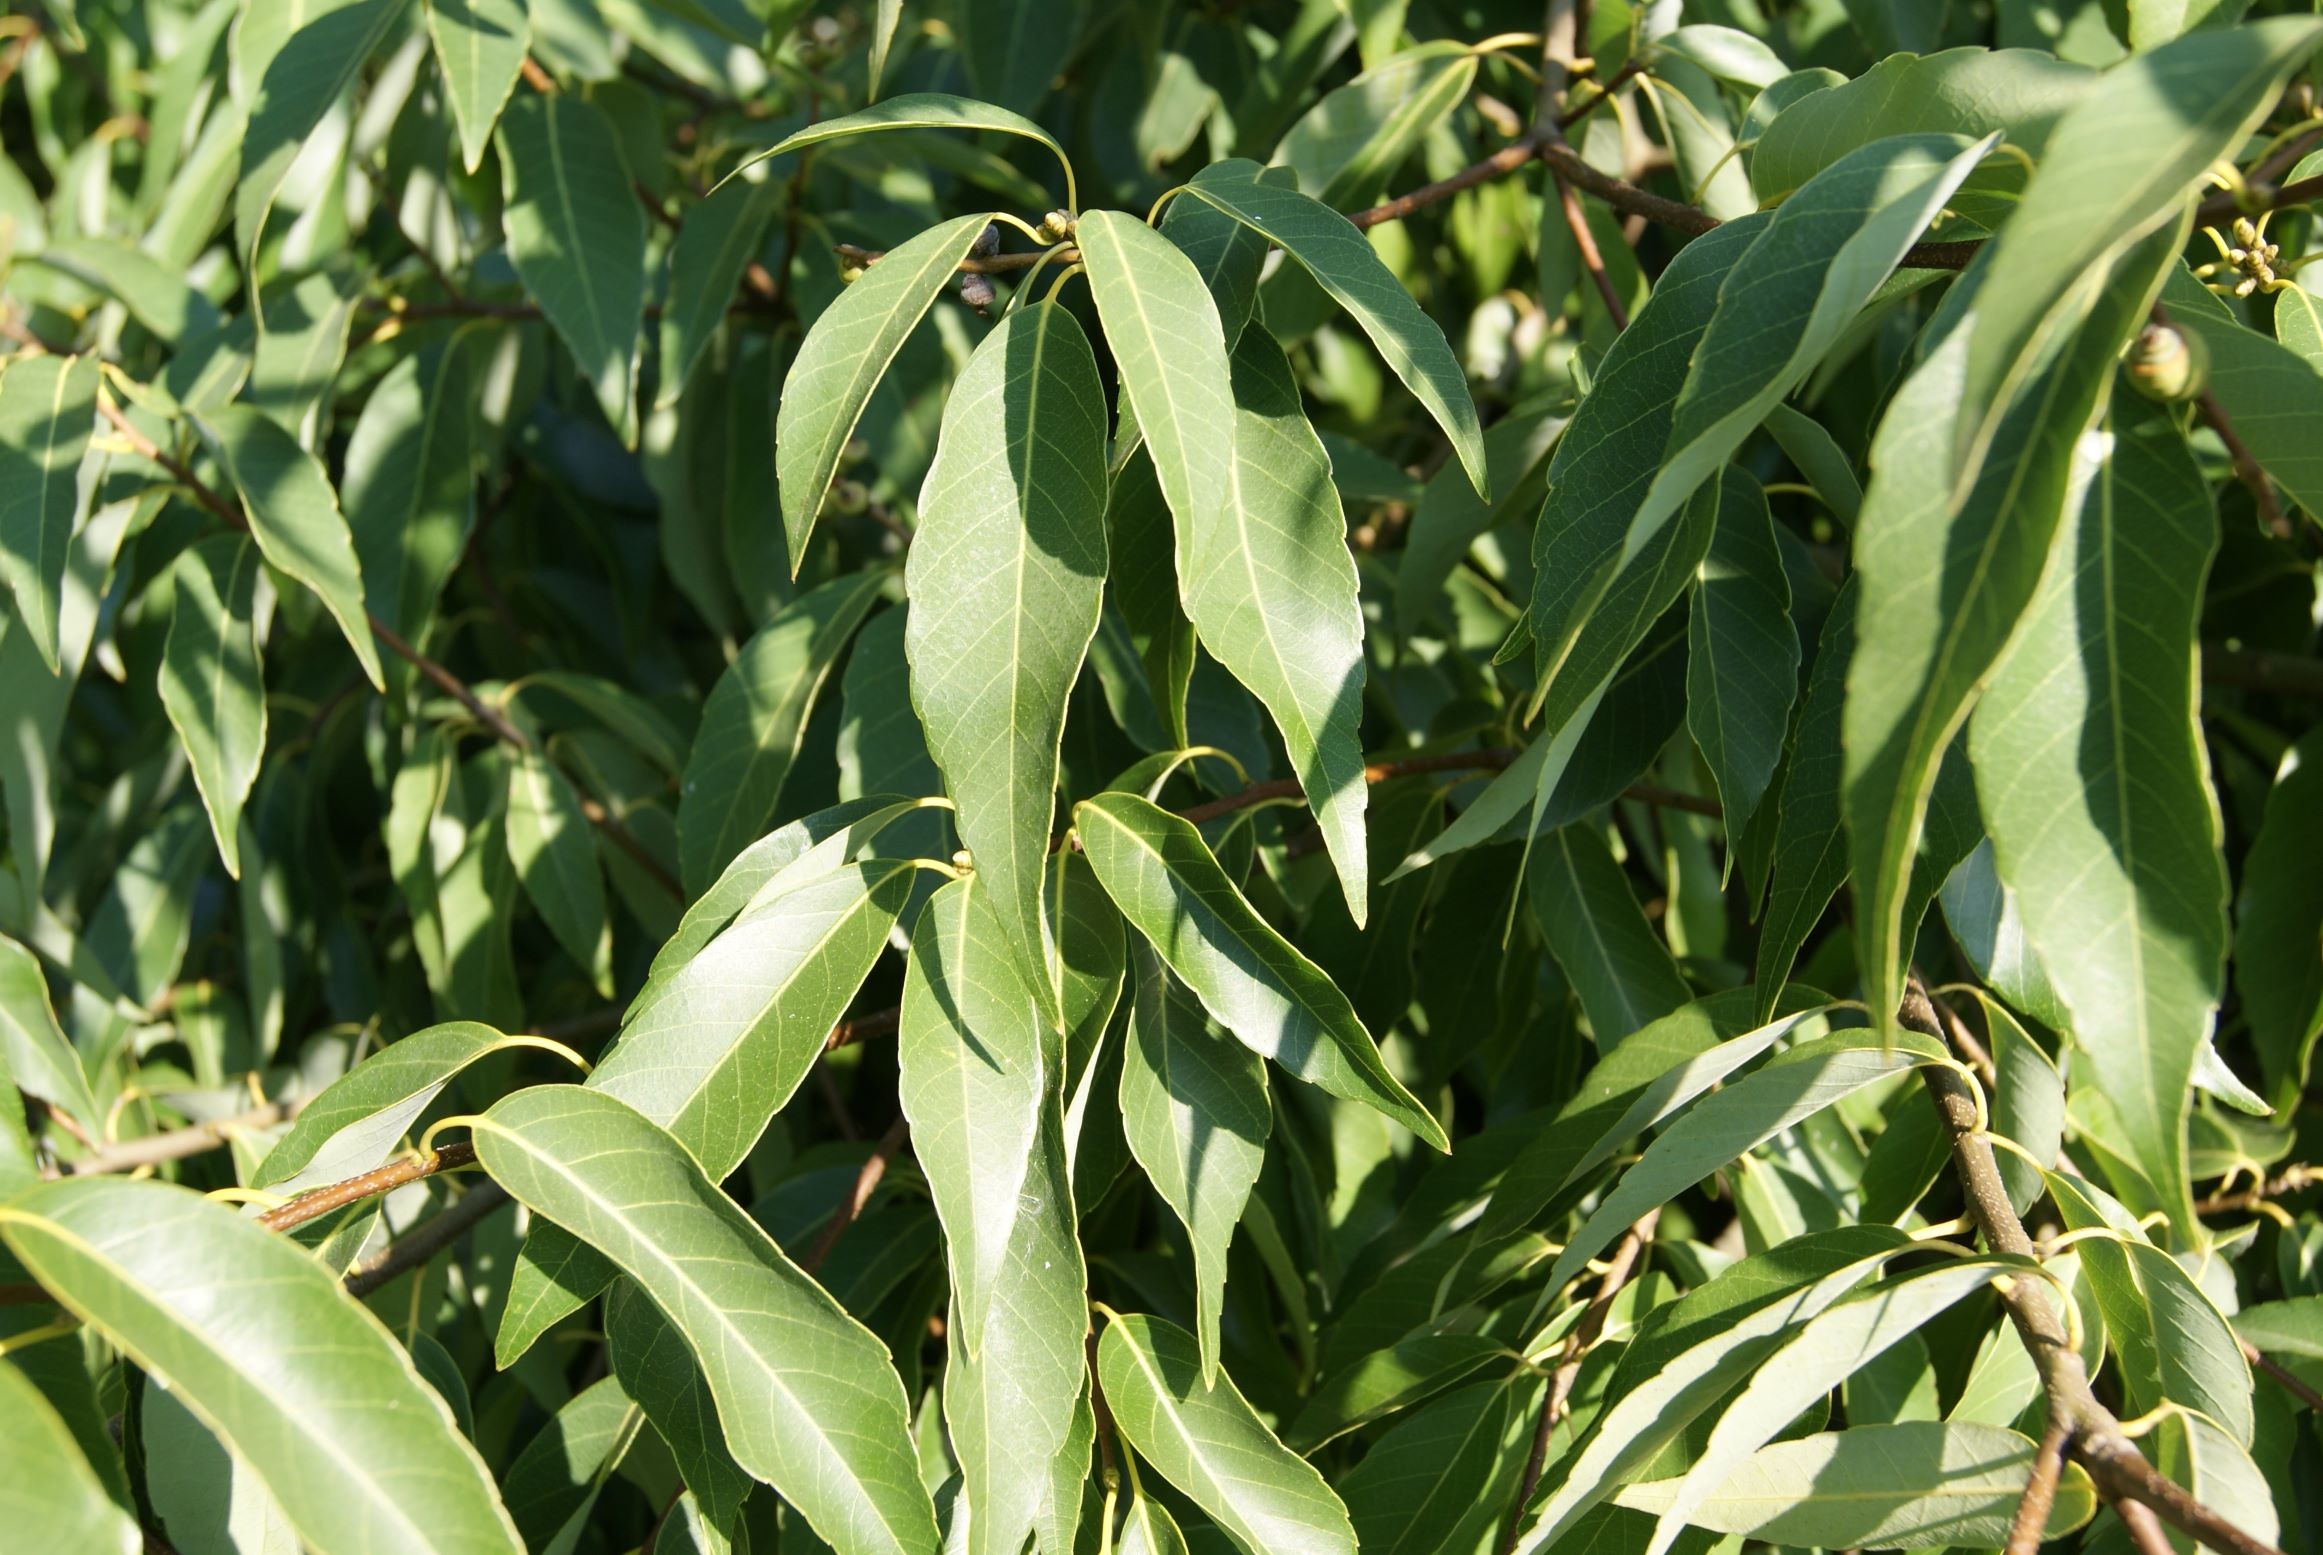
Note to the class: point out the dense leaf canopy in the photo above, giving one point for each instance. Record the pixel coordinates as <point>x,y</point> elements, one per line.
<point>1451,777</point>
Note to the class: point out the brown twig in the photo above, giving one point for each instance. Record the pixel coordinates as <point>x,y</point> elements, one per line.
<point>176,1145</point>
<point>2247,469</point>
<point>2145,1531</point>
<point>1974,1051</point>
<point>452,685</point>
<point>426,1239</point>
<point>1577,222</point>
<point>2031,1523</point>
<point>1628,1258</point>
<point>2119,1470</point>
<point>369,1185</point>
<point>1412,766</point>
<point>874,1168</point>
<point>2291,1179</point>
<point>2290,1381</point>
<point>2255,197</point>
<point>2257,670</point>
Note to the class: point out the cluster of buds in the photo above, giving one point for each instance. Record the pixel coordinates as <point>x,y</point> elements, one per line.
<point>2250,257</point>
<point>1055,227</point>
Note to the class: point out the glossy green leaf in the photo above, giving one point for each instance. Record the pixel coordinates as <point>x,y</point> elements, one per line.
<point>1739,1118</point>
<point>982,1085</point>
<point>1742,658</point>
<point>1271,591</point>
<point>576,235</point>
<point>1388,1380</point>
<point>1816,1358</point>
<point>1278,1003</point>
<point>2120,164</point>
<point>1346,147</point>
<point>1194,1109</point>
<point>1208,1442</point>
<point>655,1368</point>
<point>2278,921</point>
<point>1334,252</point>
<point>294,516</point>
<point>554,1481</point>
<point>164,302</point>
<point>555,853</point>
<point>2299,324</point>
<point>714,1049</point>
<point>354,1123</point>
<point>48,408</point>
<point>258,1340</point>
<point>845,354</point>
<point>1437,1470</point>
<point>2091,774</point>
<point>42,1061</point>
<point>2269,393</point>
<point>1917,1485</point>
<point>1006,575</point>
<point>1615,961</point>
<point>409,485</point>
<point>921,111</point>
<point>2292,1326</point>
<point>719,239</point>
<point>754,720</point>
<point>308,73</point>
<point>481,46</point>
<point>1228,256</point>
<point>52,1499</point>
<point>808,1398</point>
<point>1149,1530</point>
<point>212,686</point>
<point>1942,584</point>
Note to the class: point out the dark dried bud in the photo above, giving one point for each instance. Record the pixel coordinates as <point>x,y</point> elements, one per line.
<point>987,242</point>
<point>976,291</point>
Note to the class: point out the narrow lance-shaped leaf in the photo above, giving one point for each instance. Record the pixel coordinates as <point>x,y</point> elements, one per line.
<point>294,516</point>
<point>42,1061</point>
<point>1278,1003</point>
<point>1784,304</point>
<point>1006,576</point>
<point>410,485</point>
<point>211,684</point>
<point>1919,1484</point>
<point>1211,1444</point>
<point>553,1484</point>
<point>354,1123</point>
<point>576,235</point>
<point>1742,664</point>
<point>1623,973</point>
<point>555,853</point>
<point>48,408</point>
<point>257,1338</point>
<point>481,46</point>
<point>51,1497</point>
<point>809,1400</point>
<point>306,76</point>
<point>1272,593</point>
<point>2278,927</point>
<point>1194,1109</point>
<point>2091,774</point>
<point>1942,585</point>
<point>2117,166</point>
<point>714,1049</point>
<point>1334,251</point>
<point>1822,1355</point>
<point>656,1369</point>
<point>919,111</point>
<point>1433,1470</point>
<point>705,261</point>
<point>755,718</point>
<point>845,354</point>
<point>982,1084</point>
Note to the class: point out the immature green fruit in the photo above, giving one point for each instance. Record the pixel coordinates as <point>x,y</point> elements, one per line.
<point>2165,364</point>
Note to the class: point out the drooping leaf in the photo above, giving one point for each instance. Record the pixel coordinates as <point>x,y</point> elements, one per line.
<point>52,1498</point>
<point>553,1483</point>
<point>481,46</point>
<point>39,1057</point>
<point>754,720</point>
<point>48,408</point>
<point>1942,583</point>
<point>1006,575</point>
<point>982,1086</point>
<point>260,1340</point>
<point>1271,591</point>
<point>1278,1003</point>
<point>1194,1109</point>
<point>294,515</point>
<point>1617,964</point>
<point>2091,774</point>
<point>1346,147</point>
<point>845,354</point>
<point>308,73</point>
<point>1227,255</point>
<point>353,1124</point>
<point>2278,929</point>
<point>808,1398</point>
<point>1209,1443</point>
<point>1742,663</point>
<point>577,238</point>
<point>1388,1380</point>
<point>921,111</point>
<point>555,853</point>
<point>1915,1485</point>
<point>410,485</point>
<point>1436,1470</point>
<point>211,684</point>
<point>1334,252</point>
<point>656,1369</point>
<point>707,259</point>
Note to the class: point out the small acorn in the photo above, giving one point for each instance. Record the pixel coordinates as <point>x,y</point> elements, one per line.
<point>2165,364</point>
